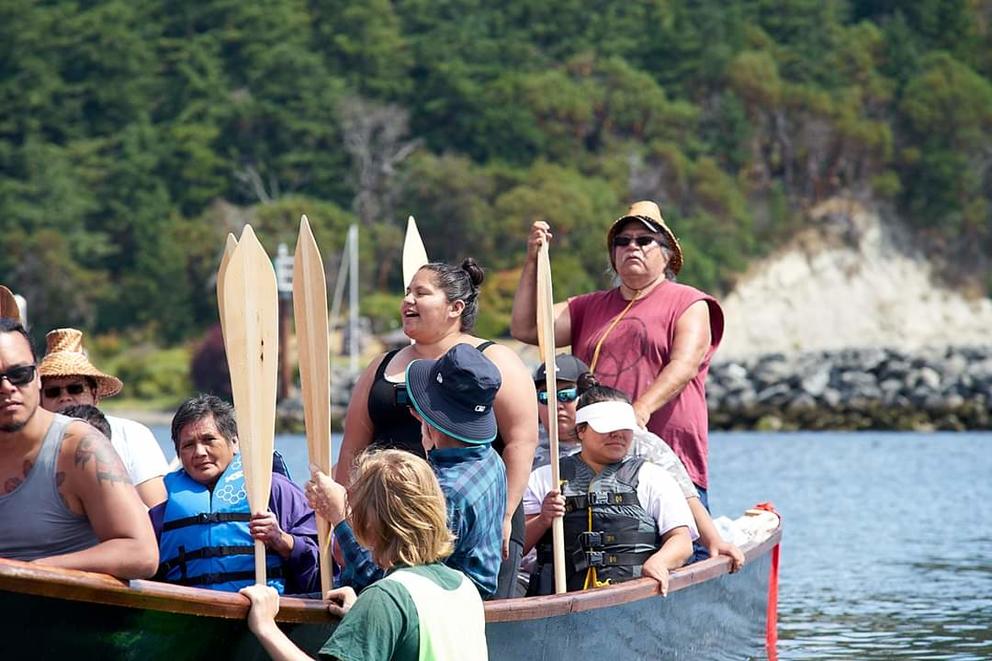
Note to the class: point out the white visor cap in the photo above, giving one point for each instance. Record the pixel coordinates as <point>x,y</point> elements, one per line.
<point>605,417</point>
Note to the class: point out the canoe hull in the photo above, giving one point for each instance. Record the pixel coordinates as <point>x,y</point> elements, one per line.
<point>56,614</point>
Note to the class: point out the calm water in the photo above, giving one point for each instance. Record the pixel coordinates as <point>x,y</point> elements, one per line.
<point>888,537</point>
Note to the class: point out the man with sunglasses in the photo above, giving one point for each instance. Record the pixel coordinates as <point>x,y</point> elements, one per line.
<point>68,379</point>
<point>65,498</point>
<point>649,337</point>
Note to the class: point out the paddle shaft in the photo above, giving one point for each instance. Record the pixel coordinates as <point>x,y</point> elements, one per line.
<point>546,340</point>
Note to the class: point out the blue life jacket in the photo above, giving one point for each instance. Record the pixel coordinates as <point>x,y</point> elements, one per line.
<point>205,541</point>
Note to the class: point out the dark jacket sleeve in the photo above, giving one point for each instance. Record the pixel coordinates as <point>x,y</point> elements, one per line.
<point>302,569</point>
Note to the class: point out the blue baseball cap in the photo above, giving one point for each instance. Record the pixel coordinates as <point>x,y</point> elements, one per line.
<point>455,393</point>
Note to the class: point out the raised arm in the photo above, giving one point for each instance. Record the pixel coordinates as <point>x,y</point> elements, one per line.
<point>692,341</point>
<point>358,429</point>
<point>523,318</point>
<point>93,482</point>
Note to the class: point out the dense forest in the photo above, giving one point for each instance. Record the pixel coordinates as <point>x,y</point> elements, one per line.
<point>134,134</point>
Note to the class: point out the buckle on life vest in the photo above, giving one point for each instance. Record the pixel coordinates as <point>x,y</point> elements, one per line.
<point>597,540</point>
<point>598,498</point>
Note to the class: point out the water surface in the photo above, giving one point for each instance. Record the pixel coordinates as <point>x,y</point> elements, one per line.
<point>887,548</point>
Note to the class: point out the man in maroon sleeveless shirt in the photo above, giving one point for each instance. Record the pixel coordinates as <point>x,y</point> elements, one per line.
<point>649,337</point>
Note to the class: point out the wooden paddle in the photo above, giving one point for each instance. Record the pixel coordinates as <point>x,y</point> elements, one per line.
<point>414,253</point>
<point>229,247</point>
<point>250,310</point>
<point>8,305</point>
<point>310,313</point>
<point>546,341</point>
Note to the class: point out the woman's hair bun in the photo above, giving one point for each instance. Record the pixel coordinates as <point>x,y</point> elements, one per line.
<point>585,382</point>
<point>475,272</point>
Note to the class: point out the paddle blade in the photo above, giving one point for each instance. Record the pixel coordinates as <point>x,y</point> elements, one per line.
<point>252,340</point>
<point>414,253</point>
<point>310,312</point>
<point>225,259</point>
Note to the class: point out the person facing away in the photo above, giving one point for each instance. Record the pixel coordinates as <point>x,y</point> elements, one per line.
<point>422,608</point>
<point>68,378</point>
<point>453,398</point>
<point>205,528</point>
<point>624,517</point>
<point>439,311</point>
<point>65,498</point>
<point>650,336</point>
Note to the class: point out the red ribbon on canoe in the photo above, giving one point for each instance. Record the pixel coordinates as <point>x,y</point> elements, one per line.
<point>771,615</point>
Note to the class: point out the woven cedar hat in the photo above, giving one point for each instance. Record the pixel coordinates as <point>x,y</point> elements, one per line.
<point>65,356</point>
<point>649,214</point>
<point>8,305</point>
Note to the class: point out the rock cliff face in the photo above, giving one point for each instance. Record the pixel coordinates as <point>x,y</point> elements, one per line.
<point>849,282</point>
<point>847,329</point>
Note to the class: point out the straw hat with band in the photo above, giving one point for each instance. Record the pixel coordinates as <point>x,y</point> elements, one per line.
<point>455,393</point>
<point>649,215</point>
<point>8,305</point>
<point>65,356</point>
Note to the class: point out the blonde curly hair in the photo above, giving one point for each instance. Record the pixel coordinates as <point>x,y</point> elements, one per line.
<point>398,509</point>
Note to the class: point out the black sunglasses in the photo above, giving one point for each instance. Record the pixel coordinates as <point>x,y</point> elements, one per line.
<point>51,392</point>
<point>19,376</point>
<point>642,241</point>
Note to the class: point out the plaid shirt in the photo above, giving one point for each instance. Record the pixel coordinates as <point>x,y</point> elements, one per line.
<point>473,480</point>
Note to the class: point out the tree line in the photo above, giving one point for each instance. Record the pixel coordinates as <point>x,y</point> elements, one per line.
<point>135,134</point>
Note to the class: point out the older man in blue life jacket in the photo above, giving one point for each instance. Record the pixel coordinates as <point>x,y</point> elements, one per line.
<point>205,529</point>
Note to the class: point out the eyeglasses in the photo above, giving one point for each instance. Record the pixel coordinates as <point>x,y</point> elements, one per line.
<point>642,241</point>
<point>19,376</point>
<point>51,392</point>
<point>564,395</point>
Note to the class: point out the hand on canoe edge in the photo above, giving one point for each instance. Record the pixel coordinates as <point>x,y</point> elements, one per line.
<point>731,551</point>
<point>264,606</point>
<point>654,567</point>
<point>340,600</point>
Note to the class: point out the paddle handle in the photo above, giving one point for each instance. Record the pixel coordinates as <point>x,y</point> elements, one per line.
<point>260,576</point>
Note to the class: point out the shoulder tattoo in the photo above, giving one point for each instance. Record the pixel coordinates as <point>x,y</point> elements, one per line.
<point>109,468</point>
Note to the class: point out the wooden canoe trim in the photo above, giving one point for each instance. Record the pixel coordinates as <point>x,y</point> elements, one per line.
<point>531,608</point>
<point>310,313</point>
<point>44,581</point>
<point>251,327</point>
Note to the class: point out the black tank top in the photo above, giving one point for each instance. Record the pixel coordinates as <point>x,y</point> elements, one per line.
<point>393,425</point>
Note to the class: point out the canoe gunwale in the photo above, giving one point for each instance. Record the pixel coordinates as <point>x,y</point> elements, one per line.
<point>34,579</point>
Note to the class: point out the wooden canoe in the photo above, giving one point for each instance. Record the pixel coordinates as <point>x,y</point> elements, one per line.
<point>48,613</point>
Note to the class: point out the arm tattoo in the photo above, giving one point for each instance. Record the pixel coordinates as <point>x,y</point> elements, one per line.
<point>108,465</point>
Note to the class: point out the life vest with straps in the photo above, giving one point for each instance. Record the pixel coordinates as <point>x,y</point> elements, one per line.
<point>205,541</point>
<point>608,534</point>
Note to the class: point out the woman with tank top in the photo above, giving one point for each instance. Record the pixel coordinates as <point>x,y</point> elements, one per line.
<point>439,311</point>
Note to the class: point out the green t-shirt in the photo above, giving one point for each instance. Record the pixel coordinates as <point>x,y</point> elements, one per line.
<point>383,623</point>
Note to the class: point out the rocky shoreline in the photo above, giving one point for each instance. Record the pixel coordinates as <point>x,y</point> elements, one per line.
<point>854,389</point>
